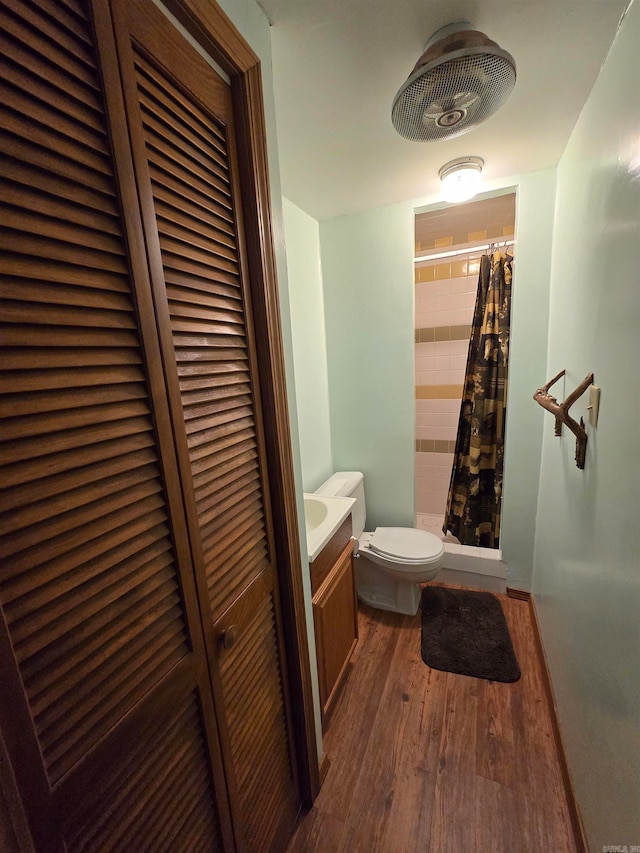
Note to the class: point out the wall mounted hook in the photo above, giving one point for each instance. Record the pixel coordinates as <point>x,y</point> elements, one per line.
<point>561,412</point>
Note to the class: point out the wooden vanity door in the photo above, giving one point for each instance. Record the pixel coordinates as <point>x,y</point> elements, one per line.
<point>335,613</point>
<point>181,126</point>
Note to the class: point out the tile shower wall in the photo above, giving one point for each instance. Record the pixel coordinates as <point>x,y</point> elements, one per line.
<point>445,295</point>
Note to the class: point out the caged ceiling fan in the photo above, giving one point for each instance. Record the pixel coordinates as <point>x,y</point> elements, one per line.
<point>460,80</point>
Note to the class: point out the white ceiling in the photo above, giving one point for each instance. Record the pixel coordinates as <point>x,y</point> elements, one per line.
<point>337,65</point>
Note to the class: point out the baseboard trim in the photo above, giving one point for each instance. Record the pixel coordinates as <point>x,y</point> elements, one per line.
<point>324,768</point>
<point>574,811</point>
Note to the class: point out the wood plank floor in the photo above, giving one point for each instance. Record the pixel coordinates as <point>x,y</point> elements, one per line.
<point>431,762</point>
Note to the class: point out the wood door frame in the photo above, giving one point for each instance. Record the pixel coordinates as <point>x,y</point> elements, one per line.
<point>212,29</point>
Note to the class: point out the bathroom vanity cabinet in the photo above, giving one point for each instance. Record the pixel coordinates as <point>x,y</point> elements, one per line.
<point>335,614</point>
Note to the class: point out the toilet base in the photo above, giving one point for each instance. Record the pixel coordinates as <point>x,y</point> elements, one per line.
<point>378,589</point>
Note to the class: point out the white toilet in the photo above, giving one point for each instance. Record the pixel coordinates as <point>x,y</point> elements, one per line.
<point>392,560</point>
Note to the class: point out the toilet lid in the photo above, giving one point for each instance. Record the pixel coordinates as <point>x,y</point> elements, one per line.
<point>406,543</point>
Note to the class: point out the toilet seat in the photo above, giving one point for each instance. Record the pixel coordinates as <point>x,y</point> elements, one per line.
<point>406,545</point>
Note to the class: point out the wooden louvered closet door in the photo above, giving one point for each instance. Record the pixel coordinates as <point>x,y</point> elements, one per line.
<point>106,708</point>
<point>180,117</point>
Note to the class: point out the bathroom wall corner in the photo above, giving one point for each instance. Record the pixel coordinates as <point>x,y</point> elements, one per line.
<point>367,265</point>
<point>535,206</point>
<point>306,301</point>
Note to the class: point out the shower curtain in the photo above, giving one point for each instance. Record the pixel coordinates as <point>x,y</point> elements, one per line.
<point>475,491</point>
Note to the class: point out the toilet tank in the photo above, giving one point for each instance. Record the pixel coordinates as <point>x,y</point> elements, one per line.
<point>348,484</point>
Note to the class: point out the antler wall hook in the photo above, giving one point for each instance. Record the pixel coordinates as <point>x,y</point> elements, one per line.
<point>561,412</point>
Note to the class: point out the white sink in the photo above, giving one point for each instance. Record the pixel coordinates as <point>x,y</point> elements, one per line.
<point>323,515</point>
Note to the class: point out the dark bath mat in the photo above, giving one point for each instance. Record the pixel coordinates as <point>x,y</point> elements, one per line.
<point>466,632</point>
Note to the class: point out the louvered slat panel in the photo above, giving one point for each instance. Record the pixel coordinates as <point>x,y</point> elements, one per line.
<point>200,197</point>
<point>171,209</point>
<point>49,270</point>
<point>57,488</point>
<point>51,187</point>
<point>102,554</point>
<point>250,675</point>
<point>185,143</point>
<point>227,424</point>
<point>182,243</point>
<point>56,76</point>
<point>45,204</point>
<point>202,373</point>
<point>198,309</point>
<point>211,393</point>
<point>32,448</point>
<point>233,457</point>
<point>193,158</point>
<point>206,347</point>
<point>160,800</point>
<point>176,201</point>
<point>228,493</point>
<point>71,400</point>
<point>217,411</point>
<point>33,142</point>
<point>223,476</point>
<point>89,584</point>
<point>50,39</point>
<point>41,292</point>
<point>243,510</point>
<point>250,564</point>
<point>179,262</point>
<point>51,535</point>
<point>200,142</point>
<point>31,77</point>
<point>17,359</point>
<point>202,296</point>
<point>70,15</point>
<point>149,562</point>
<point>45,115</point>
<point>236,548</point>
<point>32,425</point>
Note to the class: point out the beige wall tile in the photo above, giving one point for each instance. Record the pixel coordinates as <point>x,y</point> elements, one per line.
<point>458,268</point>
<point>439,392</point>
<point>460,333</point>
<point>427,335</point>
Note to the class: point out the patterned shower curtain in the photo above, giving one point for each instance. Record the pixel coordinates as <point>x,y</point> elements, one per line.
<point>475,491</point>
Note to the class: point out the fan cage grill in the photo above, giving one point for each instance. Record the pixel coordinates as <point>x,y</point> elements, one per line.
<point>446,87</point>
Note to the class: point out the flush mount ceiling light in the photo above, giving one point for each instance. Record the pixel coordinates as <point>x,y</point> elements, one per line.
<point>461,178</point>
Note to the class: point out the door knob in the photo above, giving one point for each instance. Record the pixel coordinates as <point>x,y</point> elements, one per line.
<point>229,636</point>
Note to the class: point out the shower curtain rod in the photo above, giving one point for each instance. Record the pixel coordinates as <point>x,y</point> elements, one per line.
<point>453,252</point>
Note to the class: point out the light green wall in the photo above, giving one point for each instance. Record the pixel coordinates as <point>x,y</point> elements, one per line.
<point>302,236</point>
<point>587,550</point>
<point>527,372</point>
<point>367,263</point>
<point>251,22</point>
